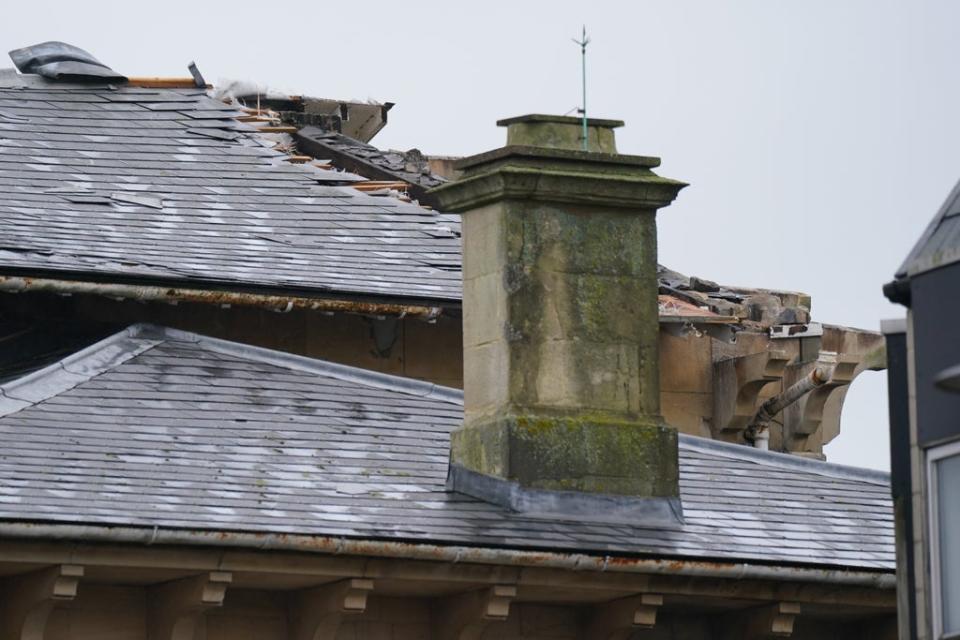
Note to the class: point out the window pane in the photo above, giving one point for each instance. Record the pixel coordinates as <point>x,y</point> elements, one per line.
<point>948,513</point>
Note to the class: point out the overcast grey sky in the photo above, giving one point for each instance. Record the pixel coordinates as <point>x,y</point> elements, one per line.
<point>817,135</point>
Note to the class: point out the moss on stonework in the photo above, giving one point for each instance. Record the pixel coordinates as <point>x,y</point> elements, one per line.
<point>581,284</point>
<point>586,453</point>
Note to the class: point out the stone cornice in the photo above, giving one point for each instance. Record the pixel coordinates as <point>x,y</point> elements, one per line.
<point>581,183</point>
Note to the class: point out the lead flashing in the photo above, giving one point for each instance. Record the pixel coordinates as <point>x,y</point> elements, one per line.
<point>657,512</point>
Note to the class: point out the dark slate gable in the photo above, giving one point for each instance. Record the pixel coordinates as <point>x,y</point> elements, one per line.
<point>939,245</point>
<point>160,428</point>
<point>121,183</point>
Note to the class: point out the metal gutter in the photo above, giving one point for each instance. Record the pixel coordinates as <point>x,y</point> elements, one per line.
<point>153,293</point>
<point>879,579</point>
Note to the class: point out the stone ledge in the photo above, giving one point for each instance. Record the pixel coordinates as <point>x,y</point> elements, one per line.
<point>532,152</point>
<point>639,191</point>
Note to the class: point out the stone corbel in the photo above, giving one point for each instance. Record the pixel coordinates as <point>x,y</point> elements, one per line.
<point>770,621</point>
<point>316,614</point>
<point>619,619</point>
<point>176,607</point>
<point>739,383</point>
<point>821,409</point>
<point>467,615</point>
<point>29,600</point>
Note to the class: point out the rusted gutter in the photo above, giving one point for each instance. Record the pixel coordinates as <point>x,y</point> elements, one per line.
<point>174,295</point>
<point>879,579</point>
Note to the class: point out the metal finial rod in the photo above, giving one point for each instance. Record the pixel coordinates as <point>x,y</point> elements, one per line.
<point>583,42</point>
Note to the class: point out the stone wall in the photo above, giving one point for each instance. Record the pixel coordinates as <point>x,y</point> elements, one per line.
<point>709,386</point>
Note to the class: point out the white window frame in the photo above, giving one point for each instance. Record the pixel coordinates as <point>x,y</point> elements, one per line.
<point>933,455</point>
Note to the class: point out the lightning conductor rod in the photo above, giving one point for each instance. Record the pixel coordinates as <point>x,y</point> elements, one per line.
<point>583,42</point>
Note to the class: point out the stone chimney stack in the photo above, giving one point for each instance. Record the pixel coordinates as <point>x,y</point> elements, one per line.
<point>560,316</point>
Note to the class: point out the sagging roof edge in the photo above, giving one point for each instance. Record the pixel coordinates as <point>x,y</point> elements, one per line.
<point>155,536</point>
<point>135,339</point>
<point>273,301</point>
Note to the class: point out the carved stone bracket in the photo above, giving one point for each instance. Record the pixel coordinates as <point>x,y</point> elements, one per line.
<point>740,381</point>
<point>467,615</point>
<point>316,614</point>
<point>30,599</point>
<point>175,608</point>
<point>770,621</point>
<point>618,619</point>
<point>859,351</point>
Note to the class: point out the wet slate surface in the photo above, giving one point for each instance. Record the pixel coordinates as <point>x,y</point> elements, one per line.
<point>164,184</point>
<point>155,427</point>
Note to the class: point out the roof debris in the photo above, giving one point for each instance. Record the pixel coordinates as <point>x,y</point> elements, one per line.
<point>200,191</point>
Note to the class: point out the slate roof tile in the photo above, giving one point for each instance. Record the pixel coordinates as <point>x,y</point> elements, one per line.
<point>159,428</point>
<point>233,214</point>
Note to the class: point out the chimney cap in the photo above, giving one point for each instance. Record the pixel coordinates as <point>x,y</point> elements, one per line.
<point>542,117</point>
<point>562,132</point>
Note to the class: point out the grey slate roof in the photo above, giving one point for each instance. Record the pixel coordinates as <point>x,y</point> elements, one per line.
<point>163,185</point>
<point>939,245</point>
<point>128,183</point>
<point>160,428</point>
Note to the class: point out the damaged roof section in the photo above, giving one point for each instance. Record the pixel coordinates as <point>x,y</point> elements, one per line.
<point>359,121</point>
<point>411,167</point>
<point>690,297</point>
<point>162,185</point>
<point>160,428</point>
<point>120,183</point>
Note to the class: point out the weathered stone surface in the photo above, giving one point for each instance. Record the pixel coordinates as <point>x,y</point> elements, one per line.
<point>686,363</point>
<point>573,303</point>
<point>688,412</point>
<point>702,284</point>
<point>561,132</point>
<point>560,314</point>
<point>573,453</point>
<point>793,315</point>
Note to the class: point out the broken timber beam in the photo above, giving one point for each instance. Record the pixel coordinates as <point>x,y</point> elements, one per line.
<point>164,83</point>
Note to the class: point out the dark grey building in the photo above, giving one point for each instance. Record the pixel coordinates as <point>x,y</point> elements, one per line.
<point>924,377</point>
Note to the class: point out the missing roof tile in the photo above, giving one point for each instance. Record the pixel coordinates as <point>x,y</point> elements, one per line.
<point>142,199</point>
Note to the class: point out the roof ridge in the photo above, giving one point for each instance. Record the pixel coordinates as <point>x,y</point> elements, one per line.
<point>76,368</point>
<point>784,460</point>
<point>130,342</point>
<point>307,364</point>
